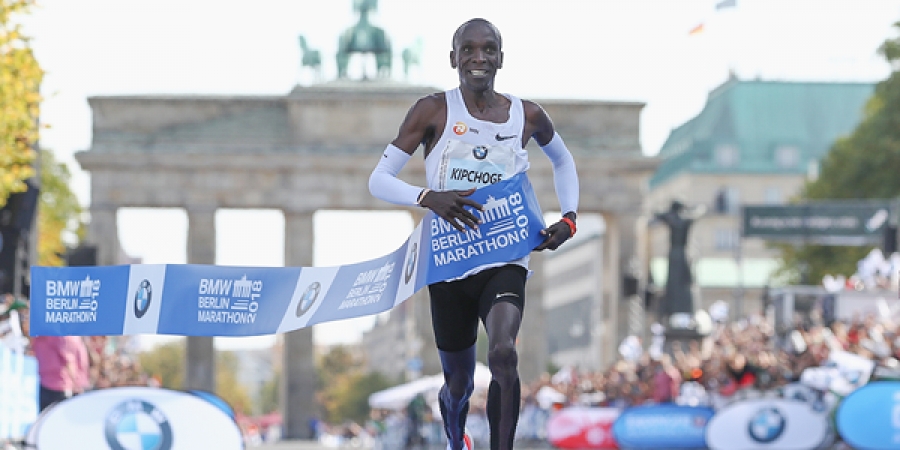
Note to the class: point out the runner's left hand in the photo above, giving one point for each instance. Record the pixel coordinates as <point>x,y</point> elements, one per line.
<point>554,236</point>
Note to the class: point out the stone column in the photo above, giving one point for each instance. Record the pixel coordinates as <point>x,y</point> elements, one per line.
<point>298,385</point>
<point>200,351</point>
<point>532,335</point>
<point>612,291</point>
<point>103,232</point>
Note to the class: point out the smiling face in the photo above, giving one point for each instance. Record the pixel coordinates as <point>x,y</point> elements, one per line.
<point>477,54</point>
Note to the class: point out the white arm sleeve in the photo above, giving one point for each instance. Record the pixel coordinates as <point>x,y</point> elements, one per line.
<point>384,184</point>
<point>565,178</point>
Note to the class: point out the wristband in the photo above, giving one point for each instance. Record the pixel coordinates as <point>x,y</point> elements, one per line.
<point>422,196</point>
<point>571,225</point>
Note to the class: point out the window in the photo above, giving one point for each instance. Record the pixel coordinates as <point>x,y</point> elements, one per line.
<point>726,239</point>
<point>727,200</point>
<point>772,196</point>
<point>727,155</point>
<point>787,156</point>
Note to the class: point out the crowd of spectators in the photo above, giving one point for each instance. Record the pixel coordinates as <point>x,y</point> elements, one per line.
<point>69,365</point>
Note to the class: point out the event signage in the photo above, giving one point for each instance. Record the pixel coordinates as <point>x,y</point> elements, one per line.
<point>667,426</point>
<point>826,223</point>
<point>768,424</point>
<point>208,300</point>
<point>18,392</point>
<point>583,428</point>
<point>870,416</point>
<point>128,418</point>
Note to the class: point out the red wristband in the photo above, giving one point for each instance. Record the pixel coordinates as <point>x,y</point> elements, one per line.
<point>571,225</point>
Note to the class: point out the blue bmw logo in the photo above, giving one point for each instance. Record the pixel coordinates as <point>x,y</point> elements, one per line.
<point>308,298</point>
<point>411,262</point>
<point>480,152</point>
<point>137,425</point>
<point>766,425</point>
<point>142,299</point>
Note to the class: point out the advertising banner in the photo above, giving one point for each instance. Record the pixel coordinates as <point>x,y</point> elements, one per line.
<point>768,424</point>
<point>207,300</point>
<point>870,416</point>
<point>662,426</point>
<point>583,428</point>
<point>135,418</point>
<point>851,222</point>
<point>18,392</point>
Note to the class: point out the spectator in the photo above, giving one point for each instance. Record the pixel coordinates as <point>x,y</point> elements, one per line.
<point>62,367</point>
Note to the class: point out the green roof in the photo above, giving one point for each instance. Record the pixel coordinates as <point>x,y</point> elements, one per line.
<point>757,118</point>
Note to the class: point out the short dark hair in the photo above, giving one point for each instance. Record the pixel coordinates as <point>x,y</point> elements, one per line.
<point>472,21</point>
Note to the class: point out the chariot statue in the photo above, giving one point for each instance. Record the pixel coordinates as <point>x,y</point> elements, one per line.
<point>365,38</point>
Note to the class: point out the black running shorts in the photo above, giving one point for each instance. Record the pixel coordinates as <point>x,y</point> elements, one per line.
<point>456,306</point>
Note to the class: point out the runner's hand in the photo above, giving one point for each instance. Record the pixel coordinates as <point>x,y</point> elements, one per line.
<point>451,206</point>
<point>555,235</point>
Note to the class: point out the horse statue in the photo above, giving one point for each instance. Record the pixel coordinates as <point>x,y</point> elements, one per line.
<point>310,58</point>
<point>412,56</point>
<point>365,38</point>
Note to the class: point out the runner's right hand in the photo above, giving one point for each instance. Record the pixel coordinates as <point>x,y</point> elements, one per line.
<point>451,206</point>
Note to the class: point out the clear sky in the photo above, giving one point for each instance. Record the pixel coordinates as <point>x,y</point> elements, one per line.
<point>632,50</point>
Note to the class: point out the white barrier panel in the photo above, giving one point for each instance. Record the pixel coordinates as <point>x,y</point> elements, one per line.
<point>768,424</point>
<point>135,418</point>
<point>18,393</point>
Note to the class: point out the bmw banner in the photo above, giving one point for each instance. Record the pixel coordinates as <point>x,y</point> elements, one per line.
<point>135,418</point>
<point>769,424</point>
<point>209,300</point>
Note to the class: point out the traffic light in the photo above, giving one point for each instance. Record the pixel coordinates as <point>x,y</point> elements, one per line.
<point>16,222</point>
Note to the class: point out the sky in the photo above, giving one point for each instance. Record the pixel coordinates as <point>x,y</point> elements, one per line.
<point>616,50</point>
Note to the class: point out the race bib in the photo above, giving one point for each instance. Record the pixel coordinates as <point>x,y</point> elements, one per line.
<point>465,165</point>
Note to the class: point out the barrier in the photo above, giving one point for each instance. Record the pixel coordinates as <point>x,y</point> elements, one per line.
<point>869,417</point>
<point>135,417</point>
<point>768,424</point>
<point>583,428</point>
<point>662,426</point>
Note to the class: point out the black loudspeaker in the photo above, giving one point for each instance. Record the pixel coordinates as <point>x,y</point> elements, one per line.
<point>83,255</point>
<point>629,285</point>
<point>889,244</point>
<point>20,208</point>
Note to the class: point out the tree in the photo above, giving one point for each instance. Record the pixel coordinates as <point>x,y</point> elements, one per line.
<point>346,385</point>
<point>60,212</point>
<point>20,81</point>
<point>863,165</point>
<point>166,362</point>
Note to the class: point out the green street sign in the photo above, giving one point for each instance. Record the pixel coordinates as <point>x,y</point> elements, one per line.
<point>844,222</point>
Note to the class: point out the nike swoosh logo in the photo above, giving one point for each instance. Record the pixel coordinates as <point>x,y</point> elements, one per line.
<point>503,138</point>
<point>506,294</point>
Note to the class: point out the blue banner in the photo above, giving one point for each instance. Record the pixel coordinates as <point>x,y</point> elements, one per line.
<point>870,416</point>
<point>208,300</point>
<point>663,426</point>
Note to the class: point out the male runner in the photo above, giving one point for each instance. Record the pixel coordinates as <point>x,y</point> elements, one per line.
<point>474,136</point>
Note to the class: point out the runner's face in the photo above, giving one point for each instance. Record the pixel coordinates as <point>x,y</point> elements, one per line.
<point>477,56</point>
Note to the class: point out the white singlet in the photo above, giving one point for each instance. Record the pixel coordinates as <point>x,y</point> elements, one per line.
<point>474,153</point>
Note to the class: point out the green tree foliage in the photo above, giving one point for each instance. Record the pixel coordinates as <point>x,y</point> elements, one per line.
<point>346,386</point>
<point>166,363</point>
<point>864,165</point>
<point>59,210</point>
<point>20,81</point>
<point>269,394</point>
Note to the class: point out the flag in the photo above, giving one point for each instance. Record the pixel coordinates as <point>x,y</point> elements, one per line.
<point>696,30</point>
<point>723,4</point>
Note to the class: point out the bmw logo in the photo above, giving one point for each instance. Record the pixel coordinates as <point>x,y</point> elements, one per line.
<point>480,152</point>
<point>766,425</point>
<point>308,298</point>
<point>411,262</point>
<point>142,299</point>
<point>137,425</point>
